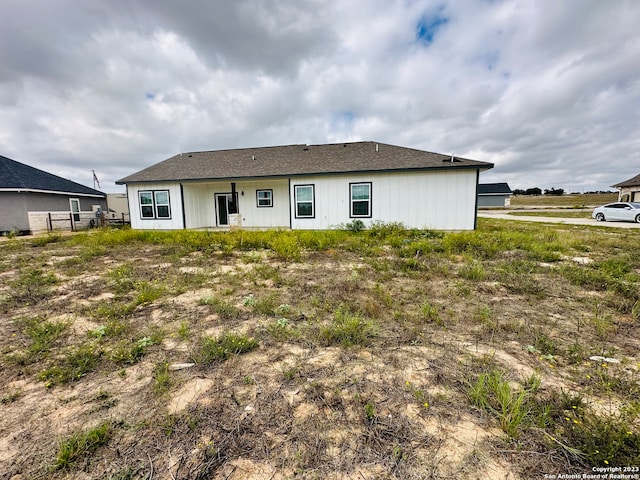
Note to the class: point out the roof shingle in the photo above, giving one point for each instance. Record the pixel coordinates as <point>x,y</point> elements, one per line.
<point>494,189</point>
<point>295,160</point>
<point>18,176</point>
<point>632,182</point>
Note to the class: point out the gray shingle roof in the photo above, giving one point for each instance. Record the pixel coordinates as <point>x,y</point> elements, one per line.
<point>632,182</point>
<point>494,189</point>
<point>18,176</point>
<point>293,160</point>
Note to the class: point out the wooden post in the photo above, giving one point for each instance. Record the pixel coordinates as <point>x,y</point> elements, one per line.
<point>49,223</point>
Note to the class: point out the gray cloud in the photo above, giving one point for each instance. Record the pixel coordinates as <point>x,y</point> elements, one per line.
<point>548,91</point>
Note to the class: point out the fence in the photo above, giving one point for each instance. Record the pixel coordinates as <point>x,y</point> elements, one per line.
<point>40,222</point>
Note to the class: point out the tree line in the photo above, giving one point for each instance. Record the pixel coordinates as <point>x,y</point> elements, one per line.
<point>538,191</point>
<point>551,191</point>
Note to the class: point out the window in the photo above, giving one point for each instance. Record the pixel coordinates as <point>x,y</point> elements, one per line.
<point>304,199</point>
<point>264,198</point>
<point>154,204</point>
<point>360,200</point>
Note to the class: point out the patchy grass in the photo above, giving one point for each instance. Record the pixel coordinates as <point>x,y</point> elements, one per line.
<point>221,348</point>
<point>509,352</point>
<point>81,444</point>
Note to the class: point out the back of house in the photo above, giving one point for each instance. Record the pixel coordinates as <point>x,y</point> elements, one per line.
<point>306,187</point>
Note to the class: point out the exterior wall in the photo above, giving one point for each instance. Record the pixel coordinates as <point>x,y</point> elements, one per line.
<point>175,204</point>
<point>493,200</point>
<point>13,212</point>
<point>200,206</point>
<point>443,200</point>
<point>15,207</point>
<point>629,194</point>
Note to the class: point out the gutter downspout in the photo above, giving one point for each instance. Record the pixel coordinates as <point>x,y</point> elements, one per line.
<point>290,219</point>
<point>184,216</point>
<point>475,213</point>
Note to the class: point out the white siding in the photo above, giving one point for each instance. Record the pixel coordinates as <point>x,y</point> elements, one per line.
<point>200,207</point>
<point>173,223</point>
<point>438,200</point>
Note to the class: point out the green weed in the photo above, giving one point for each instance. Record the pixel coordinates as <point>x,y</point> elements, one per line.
<point>32,285</point>
<point>148,292</point>
<point>218,349</point>
<point>46,240</point>
<point>81,444</point>
<point>286,247</point>
<point>493,393</point>
<point>128,353</point>
<point>161,378</point>
<point>43,334</point>
<point>72,367</point>
<point>348,329</point>
<point>224,309</point>
<point>10,397</point>
<point>474,271</point>
<point>430,313</point>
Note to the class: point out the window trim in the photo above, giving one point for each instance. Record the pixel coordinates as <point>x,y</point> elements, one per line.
<point>369,200</point>
<point>313,200</point>
<point>154,204</point>
<point>270,190</point>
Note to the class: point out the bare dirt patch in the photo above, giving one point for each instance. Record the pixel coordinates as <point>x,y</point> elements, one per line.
<point>366,354</point>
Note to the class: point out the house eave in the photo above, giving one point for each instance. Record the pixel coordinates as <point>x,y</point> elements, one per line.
<point>52,192</point>
<point>479,167</point>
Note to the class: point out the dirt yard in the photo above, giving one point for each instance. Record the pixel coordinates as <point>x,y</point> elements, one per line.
<point>510,353</point>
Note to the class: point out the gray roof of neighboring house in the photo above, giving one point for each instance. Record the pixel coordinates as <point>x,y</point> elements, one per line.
<point>295,160</point>
<point>632,182</point>
<point>18,176</point>
<point>494,189</point>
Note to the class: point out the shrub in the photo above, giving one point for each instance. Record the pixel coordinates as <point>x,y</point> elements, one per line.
<point>354,226</point>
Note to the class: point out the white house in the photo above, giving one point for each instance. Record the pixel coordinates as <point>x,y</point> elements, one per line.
<point>306,187</point>
<point>629,190</point>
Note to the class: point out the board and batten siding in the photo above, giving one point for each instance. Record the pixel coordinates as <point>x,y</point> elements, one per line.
<point>200,207</point>
<point>444,200</point>
<point>175,203</point>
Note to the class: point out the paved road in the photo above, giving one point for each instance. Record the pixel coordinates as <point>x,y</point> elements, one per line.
<point>503,214</point>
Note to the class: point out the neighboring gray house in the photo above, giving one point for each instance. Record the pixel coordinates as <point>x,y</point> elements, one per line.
<point>629,190</point>
<point>494,195</point>
<point>306,187</point>
<point>32,200</point>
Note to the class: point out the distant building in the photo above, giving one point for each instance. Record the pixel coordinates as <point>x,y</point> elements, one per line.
<point>629,190</point>
<point>494,195</point>
<point>118,205</point>
<point>33,201</point>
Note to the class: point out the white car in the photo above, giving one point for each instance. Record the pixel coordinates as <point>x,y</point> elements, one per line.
<point>619,211</point>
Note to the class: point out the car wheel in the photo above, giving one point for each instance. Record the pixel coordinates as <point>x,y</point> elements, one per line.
<point>600,217</point>
<point>638,218</point>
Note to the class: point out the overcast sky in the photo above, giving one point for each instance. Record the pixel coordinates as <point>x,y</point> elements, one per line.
<point>548,90</point>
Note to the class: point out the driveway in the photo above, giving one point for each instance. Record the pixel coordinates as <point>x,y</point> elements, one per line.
<point>504,215</point>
